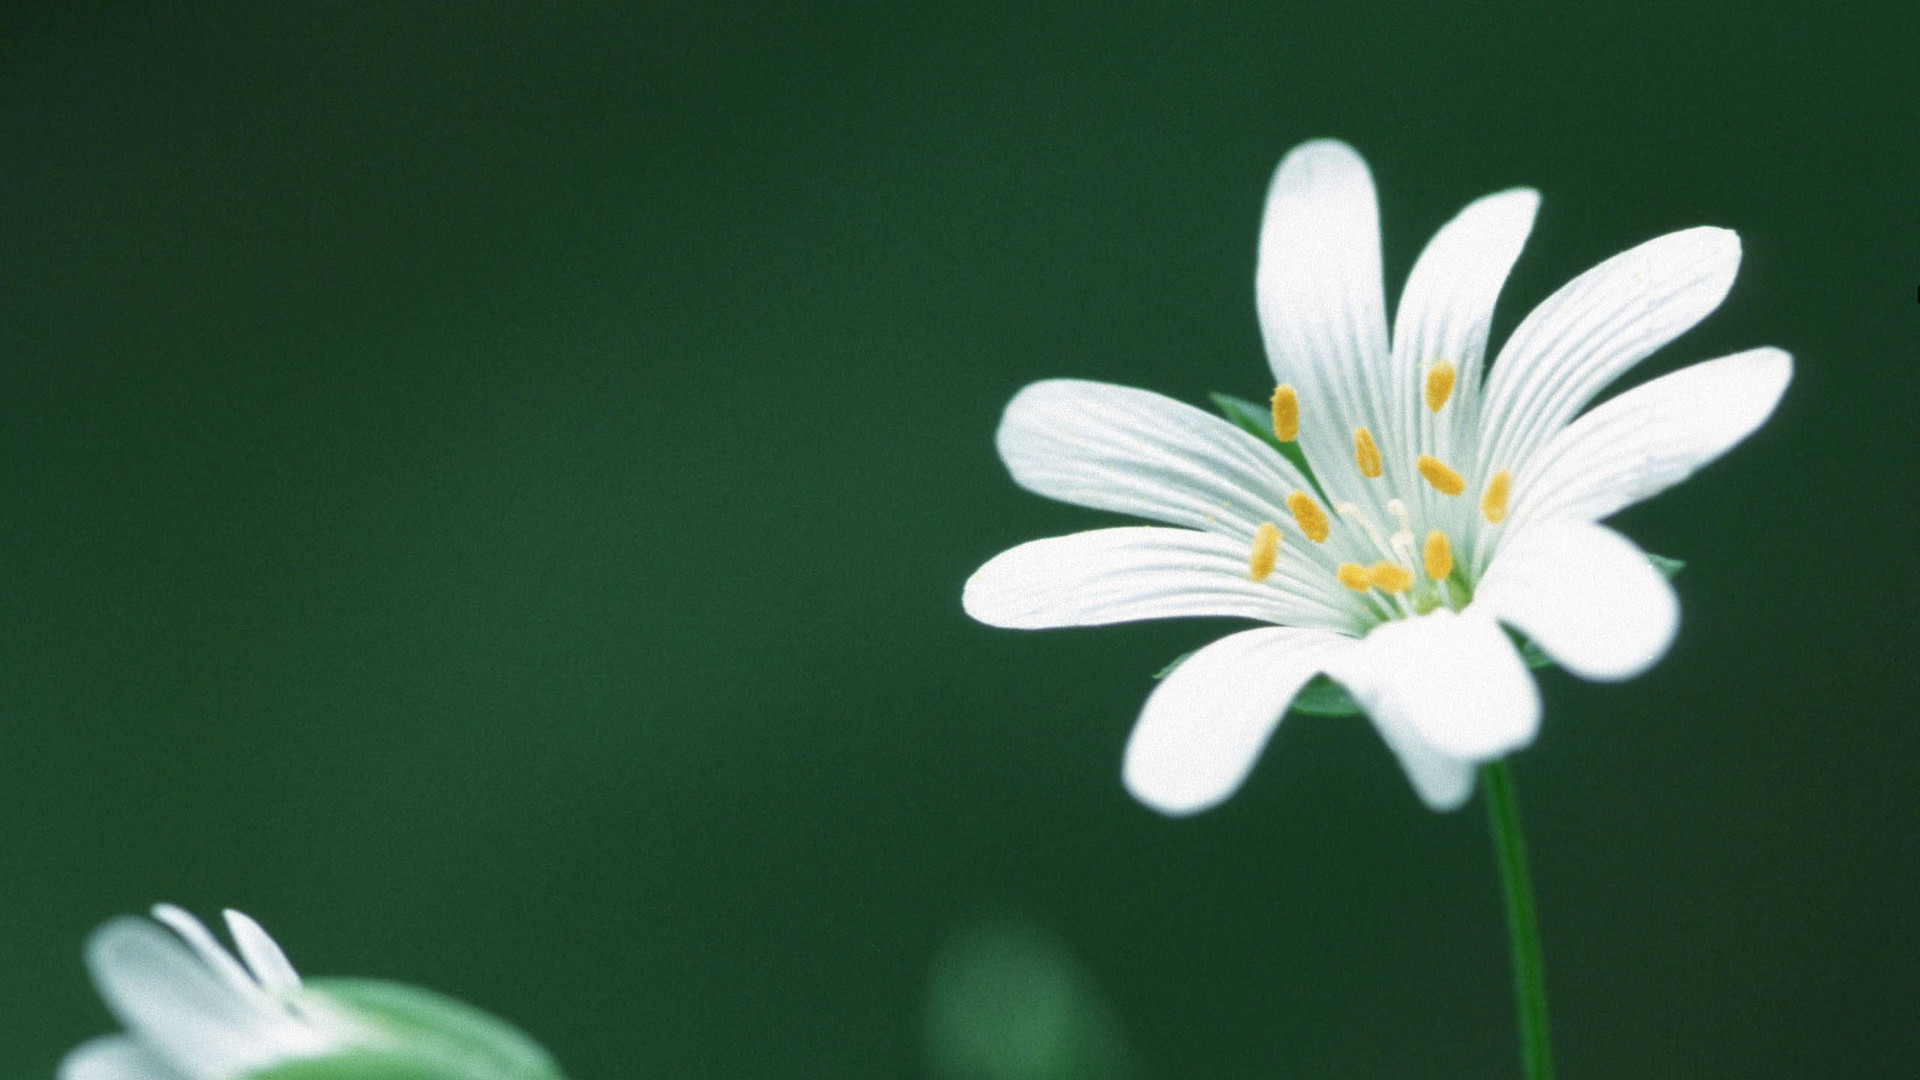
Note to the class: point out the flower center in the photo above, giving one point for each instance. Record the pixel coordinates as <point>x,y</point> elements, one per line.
<point>1396,576</point>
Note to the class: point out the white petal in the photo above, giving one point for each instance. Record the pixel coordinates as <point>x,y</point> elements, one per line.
<point>1442,782</point>
<point>1585,595</point>
<point>114,1057</point>
<point>196,935</point>
<point>1596,327</point>
<point>1444,315</point>
<point>1138,572</point>
<point>1137,452</point>
<point>1206,723</point>
<point>197,1022</point>
<point>1322,308</point>
<point>263,955</point>
<point>1453,681</point>
<point>1650,438</point>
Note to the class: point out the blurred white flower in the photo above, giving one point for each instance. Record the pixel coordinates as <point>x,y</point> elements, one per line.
<point>192,1011</point>
<point>1438,510</point>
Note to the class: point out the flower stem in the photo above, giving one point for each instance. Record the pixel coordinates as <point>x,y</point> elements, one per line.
<point>1523,927</point>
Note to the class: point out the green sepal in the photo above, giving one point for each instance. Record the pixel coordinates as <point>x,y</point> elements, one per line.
<point>1670,567</point>
<point>1174,663</point>
<point>434,1036</point>
<point>1324,697</point>
<point>1258,422</point>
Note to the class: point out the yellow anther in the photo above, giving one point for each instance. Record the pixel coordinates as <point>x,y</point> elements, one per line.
<point>1444,480</point>
<point>1354,576</point>
<point>1390,577</point>
<point>1286,413</point>
<point>1266,549</point>
<point>1365,453</point>
<point>1438,555</point>
<point>1439,384</point>
<point>1493,504</point>
<point>1308,515</point>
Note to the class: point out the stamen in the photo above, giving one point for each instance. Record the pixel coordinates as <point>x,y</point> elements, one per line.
<point>1390,577</point>
<point>1444,480</point>
<point>1438,555</point>
<point>1354,514</point>
<point>1439,384</point>
<point>1354,576</point>
<point>1266,549</point>
<point>1402,545</point>
<point>1286,413</point>
<point>1365,453</point>
<point>1493,504</point>
<point>1308,515</point>
<point>1399,510</point>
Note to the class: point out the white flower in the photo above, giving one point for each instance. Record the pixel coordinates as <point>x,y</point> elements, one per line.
<point>193,1012</point>
<point>1449,508</point>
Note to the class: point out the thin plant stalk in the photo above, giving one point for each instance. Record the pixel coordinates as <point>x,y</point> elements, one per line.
<point>1523,925</point>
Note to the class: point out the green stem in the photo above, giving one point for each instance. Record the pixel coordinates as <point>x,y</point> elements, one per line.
<point>1523,927</point>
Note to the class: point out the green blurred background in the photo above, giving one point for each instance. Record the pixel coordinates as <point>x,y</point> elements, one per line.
<point>486,489</point>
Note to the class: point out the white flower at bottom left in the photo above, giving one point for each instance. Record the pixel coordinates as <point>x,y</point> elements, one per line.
<point>194,1012</point>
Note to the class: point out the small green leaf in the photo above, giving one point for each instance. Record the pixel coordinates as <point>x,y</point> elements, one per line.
<point>1667,566</point>
<point>436,1038</point>
<point>1324,697</point>
<point>1530,652</point>
<point>1174,663</point>
<point>1258,421</point>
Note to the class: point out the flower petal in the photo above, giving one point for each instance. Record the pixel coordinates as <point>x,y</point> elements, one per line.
<point>1444,315</point>
<point>1650,438</point>
<point>1585,595</point>
<point>195,1021</point>
<point>1442,782</point>
<point>114,1057</point>
<point>1137,452</point>
<point>263,955</point>
<point>1453,681</point>
<point>1596,327</point>
<point>1322,308</point>
<point>210,951</point>
<point>1140,572</point>
<point>1206,723</point>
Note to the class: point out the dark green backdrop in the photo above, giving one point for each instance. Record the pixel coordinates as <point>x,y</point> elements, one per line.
<point>488,492</point>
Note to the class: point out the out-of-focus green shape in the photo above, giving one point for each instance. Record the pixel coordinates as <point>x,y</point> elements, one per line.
<point>1008,1001</point>
<point>435,1038</point>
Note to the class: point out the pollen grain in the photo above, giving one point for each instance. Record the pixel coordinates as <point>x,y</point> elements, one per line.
<point>1444,480</point>
<point>1390,577</point>
<point>1439,384</point>
<point>1365,454</point>
<point>1286,413</point>
<point>1493,504</point>
<point>1266,550</point>
<point>1308,515</point>
<point>1437,554</point>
